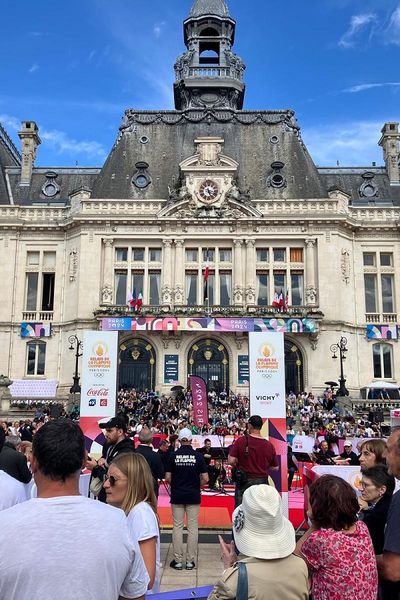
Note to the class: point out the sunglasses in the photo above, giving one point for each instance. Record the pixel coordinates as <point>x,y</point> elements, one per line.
<point>112,480</point>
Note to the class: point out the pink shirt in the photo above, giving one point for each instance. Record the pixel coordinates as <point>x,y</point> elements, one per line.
<point>343,565</point>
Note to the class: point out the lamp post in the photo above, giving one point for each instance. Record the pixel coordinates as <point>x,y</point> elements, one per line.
<point>341,348</point>
<point>75,344</point>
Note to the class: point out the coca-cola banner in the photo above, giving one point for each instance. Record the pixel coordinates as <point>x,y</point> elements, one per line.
<point>199,399</point>
<point>99,374</point>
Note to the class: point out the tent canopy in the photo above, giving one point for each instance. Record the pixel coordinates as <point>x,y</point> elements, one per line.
<point>380,385</point>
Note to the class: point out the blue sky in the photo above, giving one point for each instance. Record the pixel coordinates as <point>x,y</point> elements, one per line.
<point>74,67</point>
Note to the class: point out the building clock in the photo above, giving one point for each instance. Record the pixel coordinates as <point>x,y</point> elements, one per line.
<point>208,191</point>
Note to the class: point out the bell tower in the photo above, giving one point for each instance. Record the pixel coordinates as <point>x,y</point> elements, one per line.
<point>209,74</point>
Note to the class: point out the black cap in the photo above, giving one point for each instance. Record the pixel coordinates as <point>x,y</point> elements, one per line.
<point>256,422</point>
<point>119,422</point>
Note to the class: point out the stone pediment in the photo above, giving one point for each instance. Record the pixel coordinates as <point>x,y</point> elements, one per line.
<point>190,209</point>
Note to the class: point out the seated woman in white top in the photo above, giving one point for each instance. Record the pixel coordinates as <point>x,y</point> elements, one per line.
<point>129,485</point>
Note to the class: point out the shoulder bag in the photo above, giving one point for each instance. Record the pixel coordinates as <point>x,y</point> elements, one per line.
<point>242,592</point>
<point>239,476</point>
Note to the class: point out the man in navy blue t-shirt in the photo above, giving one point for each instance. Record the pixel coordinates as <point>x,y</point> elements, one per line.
<point>186,472</point>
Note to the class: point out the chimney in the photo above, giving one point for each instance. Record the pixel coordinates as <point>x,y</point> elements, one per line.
<point>29,135</point>
<point>390,142</point>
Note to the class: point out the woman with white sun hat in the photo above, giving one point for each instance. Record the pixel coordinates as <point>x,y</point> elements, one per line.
<point>267,540</point>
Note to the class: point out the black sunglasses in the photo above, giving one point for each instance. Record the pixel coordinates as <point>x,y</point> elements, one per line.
<point>111,479</point>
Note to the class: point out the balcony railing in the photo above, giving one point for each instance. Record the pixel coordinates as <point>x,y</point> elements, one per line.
<point>381,318</point>
<point>37,315</point>
<point>211,72</point>
<point>214,310</point>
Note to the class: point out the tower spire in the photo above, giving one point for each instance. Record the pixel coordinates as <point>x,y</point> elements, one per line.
<point>209,74</point>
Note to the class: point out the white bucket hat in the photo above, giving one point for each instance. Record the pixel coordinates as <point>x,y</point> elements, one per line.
<point>259,527</point>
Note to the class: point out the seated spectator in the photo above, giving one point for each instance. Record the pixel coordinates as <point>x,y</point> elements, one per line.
<point>267,539</point>
<point>129,485</point>
<point>372,453</point>
<point>324,456</point>
<point>337,548</point>
<point>377,490</point>
<point>347,457</point>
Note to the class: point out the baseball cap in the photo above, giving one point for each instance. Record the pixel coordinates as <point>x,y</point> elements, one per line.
<point>185,434</point>
<point>119,422</point>
<point>348,443</point>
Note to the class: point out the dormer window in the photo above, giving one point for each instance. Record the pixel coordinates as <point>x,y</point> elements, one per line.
<point>50,188</point>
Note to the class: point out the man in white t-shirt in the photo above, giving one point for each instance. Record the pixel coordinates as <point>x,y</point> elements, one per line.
<point>12,491</point>
<point>81,548</point>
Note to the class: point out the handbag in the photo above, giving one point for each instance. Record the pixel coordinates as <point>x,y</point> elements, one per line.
<point>97,480</point>
<point>239,476</point>
<point>242,592</point>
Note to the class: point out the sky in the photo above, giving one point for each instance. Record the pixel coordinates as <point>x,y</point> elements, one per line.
<point>74,67</point>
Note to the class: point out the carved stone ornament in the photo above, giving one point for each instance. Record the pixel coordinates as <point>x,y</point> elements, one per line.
<point>166,293</point>
<point>314,337</point>
<point>345,265</point>
<point>178,293</point>
<point>250,294</point>
<point>165,342</point>
<point>107,294</point>
<point>239,340</point>
<point>73,264</point>
<point>311,295</point>
<point>238,295</point>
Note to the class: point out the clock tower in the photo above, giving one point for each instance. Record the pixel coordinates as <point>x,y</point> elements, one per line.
<point>209,74</point>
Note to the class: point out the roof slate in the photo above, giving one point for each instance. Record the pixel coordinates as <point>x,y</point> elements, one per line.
<point>209,7</point>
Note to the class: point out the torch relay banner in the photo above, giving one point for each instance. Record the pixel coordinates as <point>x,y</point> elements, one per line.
<point>99,384</point>
<point>268,398</point>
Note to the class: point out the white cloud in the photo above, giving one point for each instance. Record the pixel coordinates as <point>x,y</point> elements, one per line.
<point>62,144</point>
<point>363,87</point>
<point>393,31</point>
<point>157,29</point>
<point>34,68</point>
<point>357,23</point>
<point>352,144</point>
<point>10,122</point>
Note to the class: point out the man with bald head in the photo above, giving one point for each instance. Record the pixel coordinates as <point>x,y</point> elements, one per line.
<point>389,561</point>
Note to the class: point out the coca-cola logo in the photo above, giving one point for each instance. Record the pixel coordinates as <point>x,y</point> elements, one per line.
<point>101,392</point>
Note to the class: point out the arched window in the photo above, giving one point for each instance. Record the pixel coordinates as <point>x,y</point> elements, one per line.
<point>209,53</point>
<point>383,360</point>
<point>35,358</point>
<point>209,32</point>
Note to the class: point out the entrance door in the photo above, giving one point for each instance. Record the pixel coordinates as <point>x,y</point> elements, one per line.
<point>136,365</point>
<point>293,368</point>
<point>209,359</point>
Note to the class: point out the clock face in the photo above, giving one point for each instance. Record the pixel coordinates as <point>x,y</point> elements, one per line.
<point>208,190</point>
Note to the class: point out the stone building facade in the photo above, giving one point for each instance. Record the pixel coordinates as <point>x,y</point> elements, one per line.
<point>208,184</point>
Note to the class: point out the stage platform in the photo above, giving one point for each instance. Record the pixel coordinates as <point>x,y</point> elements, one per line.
<point>216,508</point>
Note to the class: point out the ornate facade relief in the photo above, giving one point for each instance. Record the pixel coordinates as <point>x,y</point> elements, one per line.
<point>73,264</point>
<point>311,295</point>
<point>345,265</point>
<point>107,294</point>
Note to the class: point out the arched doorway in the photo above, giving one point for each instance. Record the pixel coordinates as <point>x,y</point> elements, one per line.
<point>294,368</point>
<point>209,359</point>
<point>137,365</point>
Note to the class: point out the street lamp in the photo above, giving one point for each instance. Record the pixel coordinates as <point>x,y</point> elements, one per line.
<point>341,348</point>
<point>75,344</point>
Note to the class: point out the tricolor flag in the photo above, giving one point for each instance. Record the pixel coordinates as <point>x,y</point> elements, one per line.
<point>139,302</point>
<point>135,302</point>
<point>206,274</point>
<point>275,302</point>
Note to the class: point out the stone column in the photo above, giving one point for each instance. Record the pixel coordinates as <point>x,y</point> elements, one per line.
<point>107,291</point>
<point>166,291</point>
<point>179,289</point>
<point>238,274</point>
<point>311,289</point>
<point>250,272</point>
<point>5,396</point>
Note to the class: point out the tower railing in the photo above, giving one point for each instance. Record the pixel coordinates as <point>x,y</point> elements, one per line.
<point>212,72</point>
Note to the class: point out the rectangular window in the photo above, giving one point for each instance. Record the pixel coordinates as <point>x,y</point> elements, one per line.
<point>262,289</point>
<point>370,293</point>
<point>138,254</point>
<point>208,254</point>
<point>33,259</point>
<point>137,282</point>
<point>155,254</point>
<point>49,260</point>
<point>382,358</point>
<point>191,289</point>
<point>262,255</point>
<point>225,255</point>
<point>48,291</point>
<point>192,255</point>
<point>154,289</point>
<point>120,288</point>
<point>296,255</point>
<point>387,293</point>
<point>32,280</point>
<point>386,259</point>
<point>279,255</point>
<point>36,358</point>
<point>297,288</point>
<point>211,289</point>
<point>225,289</point>
<point>369,259</point>
<point>280,282</point>
<point>121,254</point>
